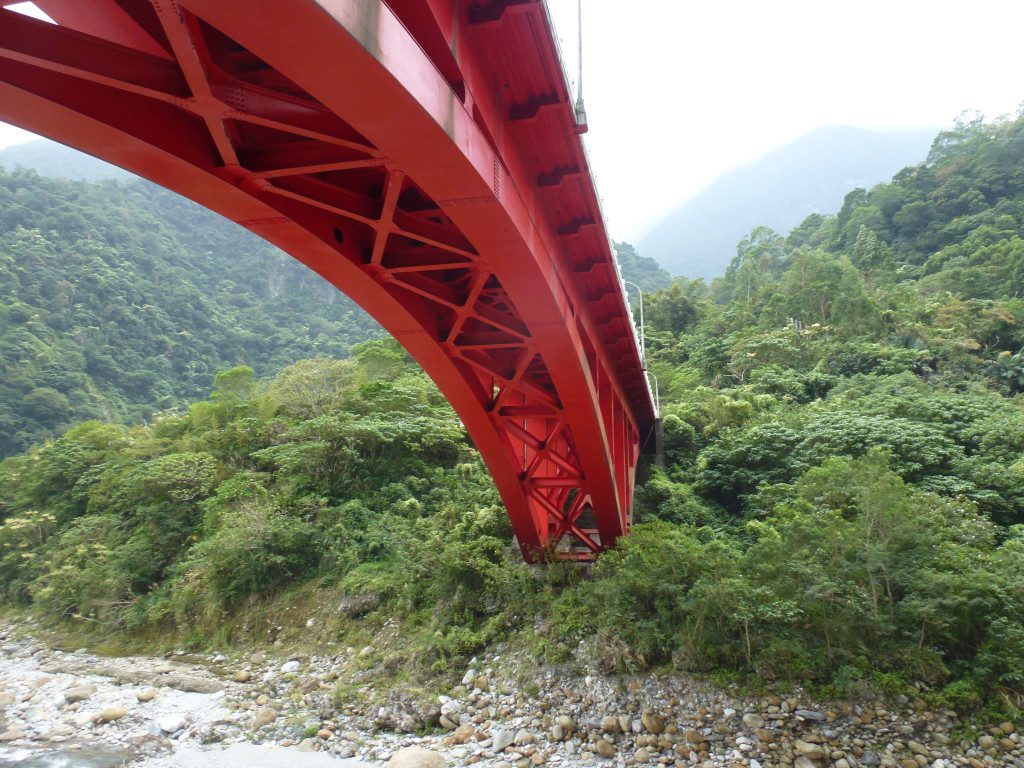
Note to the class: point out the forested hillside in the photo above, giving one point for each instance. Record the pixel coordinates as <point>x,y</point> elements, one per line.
<point>642,270</point>
<point>120,299</point>
<point>843,502</point>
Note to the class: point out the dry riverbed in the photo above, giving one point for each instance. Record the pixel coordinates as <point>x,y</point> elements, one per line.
<point>81,710</point>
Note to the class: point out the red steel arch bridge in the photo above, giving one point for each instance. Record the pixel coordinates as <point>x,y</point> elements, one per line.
<point>425,157</point>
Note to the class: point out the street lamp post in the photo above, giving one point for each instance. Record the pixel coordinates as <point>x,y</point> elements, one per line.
<point>659,427</point>
<point>643,343</point>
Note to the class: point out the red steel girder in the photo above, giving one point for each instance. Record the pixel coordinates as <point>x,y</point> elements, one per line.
<point>379,150</point>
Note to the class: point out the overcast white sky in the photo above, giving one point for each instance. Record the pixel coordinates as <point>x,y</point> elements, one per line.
<point>678,91</point>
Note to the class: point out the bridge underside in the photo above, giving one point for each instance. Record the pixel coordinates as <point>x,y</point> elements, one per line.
<point>421,157</point>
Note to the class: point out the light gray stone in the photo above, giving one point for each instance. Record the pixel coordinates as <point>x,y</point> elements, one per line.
<point>112,714</point>
<point>171,723</point>
<point>79,693</point>
<point>753,720</point>
<point>810,714</point>
<point>264,717</point>
<point>501,738</point>
<point>416,757</point>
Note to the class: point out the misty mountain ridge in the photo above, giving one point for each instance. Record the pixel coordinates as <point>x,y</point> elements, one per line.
<point>52,159</point>
<point>809,175</point>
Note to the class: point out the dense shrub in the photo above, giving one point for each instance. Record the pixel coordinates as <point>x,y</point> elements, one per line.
<point>925,582</point>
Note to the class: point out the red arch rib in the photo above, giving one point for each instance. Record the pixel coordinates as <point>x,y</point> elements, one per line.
<point>425,163</point>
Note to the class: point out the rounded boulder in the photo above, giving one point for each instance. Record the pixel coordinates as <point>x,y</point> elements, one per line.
<point>416,757</point>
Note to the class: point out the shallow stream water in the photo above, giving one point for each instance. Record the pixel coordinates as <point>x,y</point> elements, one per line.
<point>65,757</point>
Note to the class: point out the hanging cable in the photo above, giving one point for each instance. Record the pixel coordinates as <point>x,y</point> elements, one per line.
<point>581,112</point>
